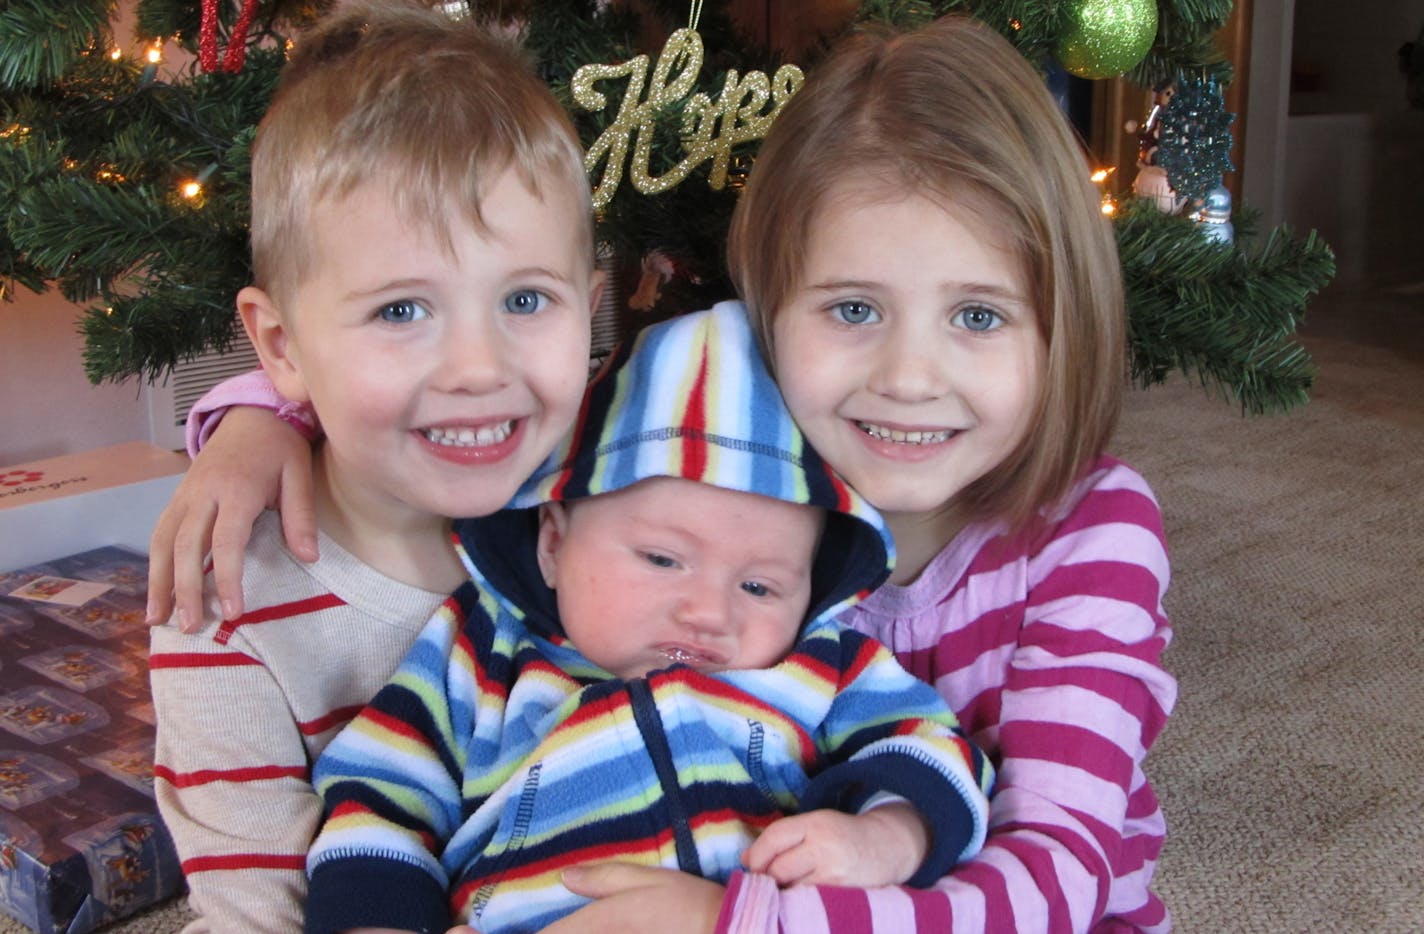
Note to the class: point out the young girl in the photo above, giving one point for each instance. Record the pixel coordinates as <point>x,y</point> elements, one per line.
<point>942,305</point>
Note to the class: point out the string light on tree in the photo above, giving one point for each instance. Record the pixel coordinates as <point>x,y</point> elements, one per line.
<point>192,189</point>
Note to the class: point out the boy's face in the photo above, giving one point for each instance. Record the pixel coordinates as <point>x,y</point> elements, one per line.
<point>671,570</point>
<point>442,376</point>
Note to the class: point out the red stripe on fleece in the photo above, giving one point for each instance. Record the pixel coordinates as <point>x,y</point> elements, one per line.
<point>338,717</point>
<point>735,697</point>
<point>256,773</point>
<point>395,726</point>
<point>278,611</point>
<point>640,850</point>
<point>576,435</point>
<point>842,490</point>
<point>865,656</point>
<point>233,861</point>
<point>694,425</point>
<point>200,660</point>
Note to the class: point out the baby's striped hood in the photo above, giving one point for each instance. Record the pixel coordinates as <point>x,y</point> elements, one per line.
<point>690,398</point>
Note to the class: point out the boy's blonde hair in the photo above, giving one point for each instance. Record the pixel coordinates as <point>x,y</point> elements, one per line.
<point>402,93</point>
<point>952,112</point>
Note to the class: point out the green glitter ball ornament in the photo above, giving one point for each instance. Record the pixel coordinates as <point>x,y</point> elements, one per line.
<point>1104,38</point>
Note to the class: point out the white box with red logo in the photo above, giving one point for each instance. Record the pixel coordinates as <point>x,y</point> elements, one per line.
<point>77,502</point>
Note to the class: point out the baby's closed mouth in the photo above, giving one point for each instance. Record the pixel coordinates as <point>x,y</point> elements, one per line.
<point>684,655</point>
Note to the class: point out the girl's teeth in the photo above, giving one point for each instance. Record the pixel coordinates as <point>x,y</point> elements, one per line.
<point>904,437</point>
<point>467,437</point>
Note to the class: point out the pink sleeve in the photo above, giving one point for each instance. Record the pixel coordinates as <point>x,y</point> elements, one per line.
<point>253,389</point>
<point>1067,699</point>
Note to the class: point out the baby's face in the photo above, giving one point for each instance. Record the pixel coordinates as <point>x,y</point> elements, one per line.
<point>674,571</point>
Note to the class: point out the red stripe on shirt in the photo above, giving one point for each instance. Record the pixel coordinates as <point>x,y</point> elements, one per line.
<point>256,773</point>
<point>849,907</point>
<point>278,611</point>
<point>232,861</point>
<point>338,717</point>
<point>200,660</point>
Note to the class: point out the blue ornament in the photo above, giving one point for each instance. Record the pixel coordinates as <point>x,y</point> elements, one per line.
<point>1214,216</point>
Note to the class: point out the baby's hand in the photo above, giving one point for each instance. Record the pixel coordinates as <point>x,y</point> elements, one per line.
<point>883,846</point>
<point>252,461</point>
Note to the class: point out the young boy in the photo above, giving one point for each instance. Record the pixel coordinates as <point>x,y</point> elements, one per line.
<point>422,246</point>
<point>645,668</point>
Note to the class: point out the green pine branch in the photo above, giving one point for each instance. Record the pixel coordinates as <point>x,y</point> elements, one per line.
<point>92,153</point>
<point>1225,314</point>
<point>41,39</point>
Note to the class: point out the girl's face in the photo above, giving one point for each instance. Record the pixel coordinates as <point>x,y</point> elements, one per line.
<point>909,354</point>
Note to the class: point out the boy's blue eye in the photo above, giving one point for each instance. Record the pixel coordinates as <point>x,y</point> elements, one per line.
<point>854,312</point>
<point>525,302</point>
<point>402,312</point>
<point>660,561</point>
<point>978,318</point>
<point>756,589</point>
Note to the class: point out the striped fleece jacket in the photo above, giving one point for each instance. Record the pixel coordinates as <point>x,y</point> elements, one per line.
<point>1049,649</point>
<point>498,756</point>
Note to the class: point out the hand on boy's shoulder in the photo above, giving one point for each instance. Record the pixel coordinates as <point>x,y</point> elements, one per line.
<point>251,463</point>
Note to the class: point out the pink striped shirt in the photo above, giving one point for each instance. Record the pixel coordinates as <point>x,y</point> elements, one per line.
<point>1049,650</point>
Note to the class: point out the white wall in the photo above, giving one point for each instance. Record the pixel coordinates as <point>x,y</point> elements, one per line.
<point>1343,157</point>
<point>47,405</point>
<point>1351,149</point>
<point>1267,106</point>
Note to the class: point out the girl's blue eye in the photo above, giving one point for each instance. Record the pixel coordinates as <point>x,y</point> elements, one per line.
<point>660,561</point>
<point>403,312</point>
<point>854,312</point>
<point>525,302</point>
<point>756,589</point>
<point>978,318</point>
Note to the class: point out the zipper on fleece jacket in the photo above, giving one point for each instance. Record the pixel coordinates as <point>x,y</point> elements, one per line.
<point>650,724</point>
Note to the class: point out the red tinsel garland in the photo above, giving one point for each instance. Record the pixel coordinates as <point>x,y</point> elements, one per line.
<point>237,42</point>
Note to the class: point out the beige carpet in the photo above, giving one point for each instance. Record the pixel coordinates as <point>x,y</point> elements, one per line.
<point>1293,770</point>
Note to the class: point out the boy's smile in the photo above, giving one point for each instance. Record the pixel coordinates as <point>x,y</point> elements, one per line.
<point>443,368</point>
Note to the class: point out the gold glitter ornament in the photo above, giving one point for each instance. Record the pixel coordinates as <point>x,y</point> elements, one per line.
<point>1104,38</point>
<point>711,129</point>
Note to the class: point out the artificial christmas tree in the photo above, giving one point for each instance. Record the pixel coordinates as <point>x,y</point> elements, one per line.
<point>127,188</point>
